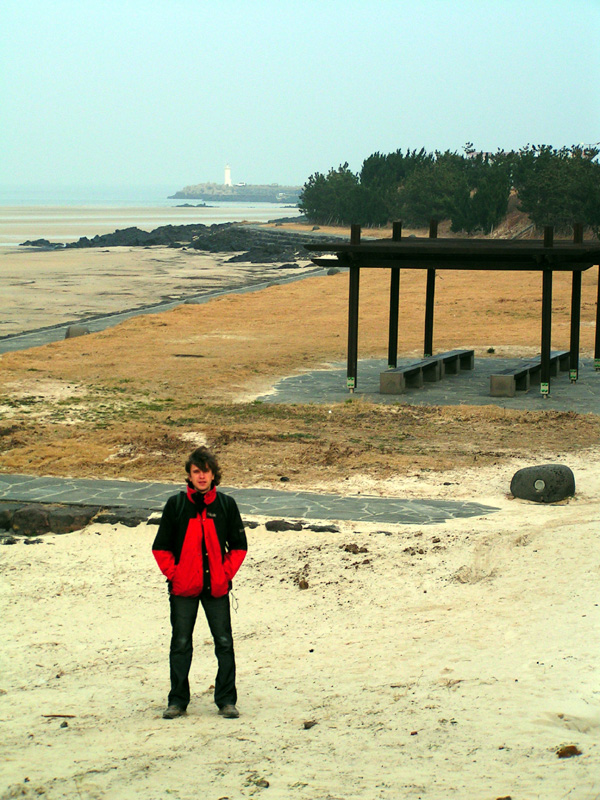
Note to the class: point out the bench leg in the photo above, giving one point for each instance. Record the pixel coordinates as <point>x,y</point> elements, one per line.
<point>502,386</point>
<point>415,380</point>
<point>467,361</point>
<point>452,366</point>
<point>391,383</point>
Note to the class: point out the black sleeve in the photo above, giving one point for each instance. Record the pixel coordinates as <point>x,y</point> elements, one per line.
<point>164,536</point>
<point>236,535</point>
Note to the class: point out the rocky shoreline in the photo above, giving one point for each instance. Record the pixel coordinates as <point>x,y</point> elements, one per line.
<point>26,522</point>
<point>248,243</point>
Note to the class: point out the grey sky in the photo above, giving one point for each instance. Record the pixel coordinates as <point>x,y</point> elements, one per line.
<point>140,92</point>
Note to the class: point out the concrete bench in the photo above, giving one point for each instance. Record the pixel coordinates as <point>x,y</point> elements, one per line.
<point>559,361</point>
<point>508,382</point>
<point>395,381</point>
<point>428,370</point>
<point>457,360</point>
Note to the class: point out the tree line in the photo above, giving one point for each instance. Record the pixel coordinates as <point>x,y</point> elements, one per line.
<point>555,186</point>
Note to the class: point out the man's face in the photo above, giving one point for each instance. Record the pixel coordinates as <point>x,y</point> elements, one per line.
<point>201,478</point>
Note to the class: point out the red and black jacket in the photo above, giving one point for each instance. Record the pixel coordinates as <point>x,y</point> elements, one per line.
<point>186,529</point>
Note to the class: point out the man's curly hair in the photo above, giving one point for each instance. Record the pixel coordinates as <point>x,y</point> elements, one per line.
<point>204,459</point>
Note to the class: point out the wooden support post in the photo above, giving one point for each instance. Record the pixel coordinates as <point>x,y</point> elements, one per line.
<point>575,311</point>
<point>394,303</point>
<point>352,371</point>
<point>597,344</point>
<point>394,306</point>
<point>546,317</point>
<point>430,299</point>
<point>353,327</point>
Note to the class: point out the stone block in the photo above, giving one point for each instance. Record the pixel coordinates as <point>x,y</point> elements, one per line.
<point>7,511</point>
<point>76,330</point>
<point>502,386</point>
<point>66,519</point>
<point>280,525</point>
<point>547,483</point>
<point>130,517</point>
<point>392,382</point>
<point>31,520</point>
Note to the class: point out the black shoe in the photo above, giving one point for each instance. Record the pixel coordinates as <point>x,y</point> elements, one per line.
<point>229,711</point>
<point>173,711</point>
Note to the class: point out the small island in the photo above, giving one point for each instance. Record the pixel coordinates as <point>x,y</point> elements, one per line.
<point>239,192</point>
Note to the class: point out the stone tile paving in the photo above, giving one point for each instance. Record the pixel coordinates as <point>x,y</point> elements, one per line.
<point>260,502</point>
<point>469,387</point>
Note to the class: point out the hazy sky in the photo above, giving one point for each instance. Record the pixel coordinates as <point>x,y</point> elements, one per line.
<point>141,92</point>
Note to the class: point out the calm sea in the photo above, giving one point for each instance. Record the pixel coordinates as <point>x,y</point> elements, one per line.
<point>65,214</point>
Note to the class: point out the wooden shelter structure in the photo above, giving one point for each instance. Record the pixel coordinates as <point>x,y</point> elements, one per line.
<point>545,256</point>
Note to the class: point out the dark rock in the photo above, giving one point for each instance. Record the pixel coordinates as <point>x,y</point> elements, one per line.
<point>547,483</point>
<point>76,330</point>
<point>31,520</point>
<point>282,525</point>
<point>568,751</point>
<point>35,519</point>
<point>33,541</point>
<point>284,479</point>
<point>7,540</point>
<point>332,271</point>
<point>41,243</point>
<point>6,514</point>
<point>250,524</point>
<point>353,548</point>
<point>135,237</point>
<point>66,519</point>
<point>253,245</point>
<point>323,528</point>
<point>125,516</point>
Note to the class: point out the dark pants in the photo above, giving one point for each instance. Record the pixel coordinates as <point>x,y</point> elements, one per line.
<point>183,617</point>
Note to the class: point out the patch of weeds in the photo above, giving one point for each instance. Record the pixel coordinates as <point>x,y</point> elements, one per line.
<point>183,422</point>
<point>298,435</point>
<point>28,401</point>
<point>155,406</point>
<point>72,401</point>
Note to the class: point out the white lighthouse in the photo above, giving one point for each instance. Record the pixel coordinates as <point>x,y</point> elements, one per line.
<point>228,175</point>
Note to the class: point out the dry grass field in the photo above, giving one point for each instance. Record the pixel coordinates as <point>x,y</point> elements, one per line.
<point>129,401</point>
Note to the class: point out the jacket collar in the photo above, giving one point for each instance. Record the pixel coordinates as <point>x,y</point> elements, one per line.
<point>209,497</point>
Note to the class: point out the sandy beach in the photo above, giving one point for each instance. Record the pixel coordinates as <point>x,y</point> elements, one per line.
<point>422,661</point>
<point>41,288</point>
<point>449,660</point>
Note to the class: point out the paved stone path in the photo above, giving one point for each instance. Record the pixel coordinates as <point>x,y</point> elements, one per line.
<point>262,502</point>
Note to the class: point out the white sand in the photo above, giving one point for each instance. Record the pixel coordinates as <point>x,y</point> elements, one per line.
<point>454,668</point>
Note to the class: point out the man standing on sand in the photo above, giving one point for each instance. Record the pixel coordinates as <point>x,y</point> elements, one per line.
<point>199,547</point>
